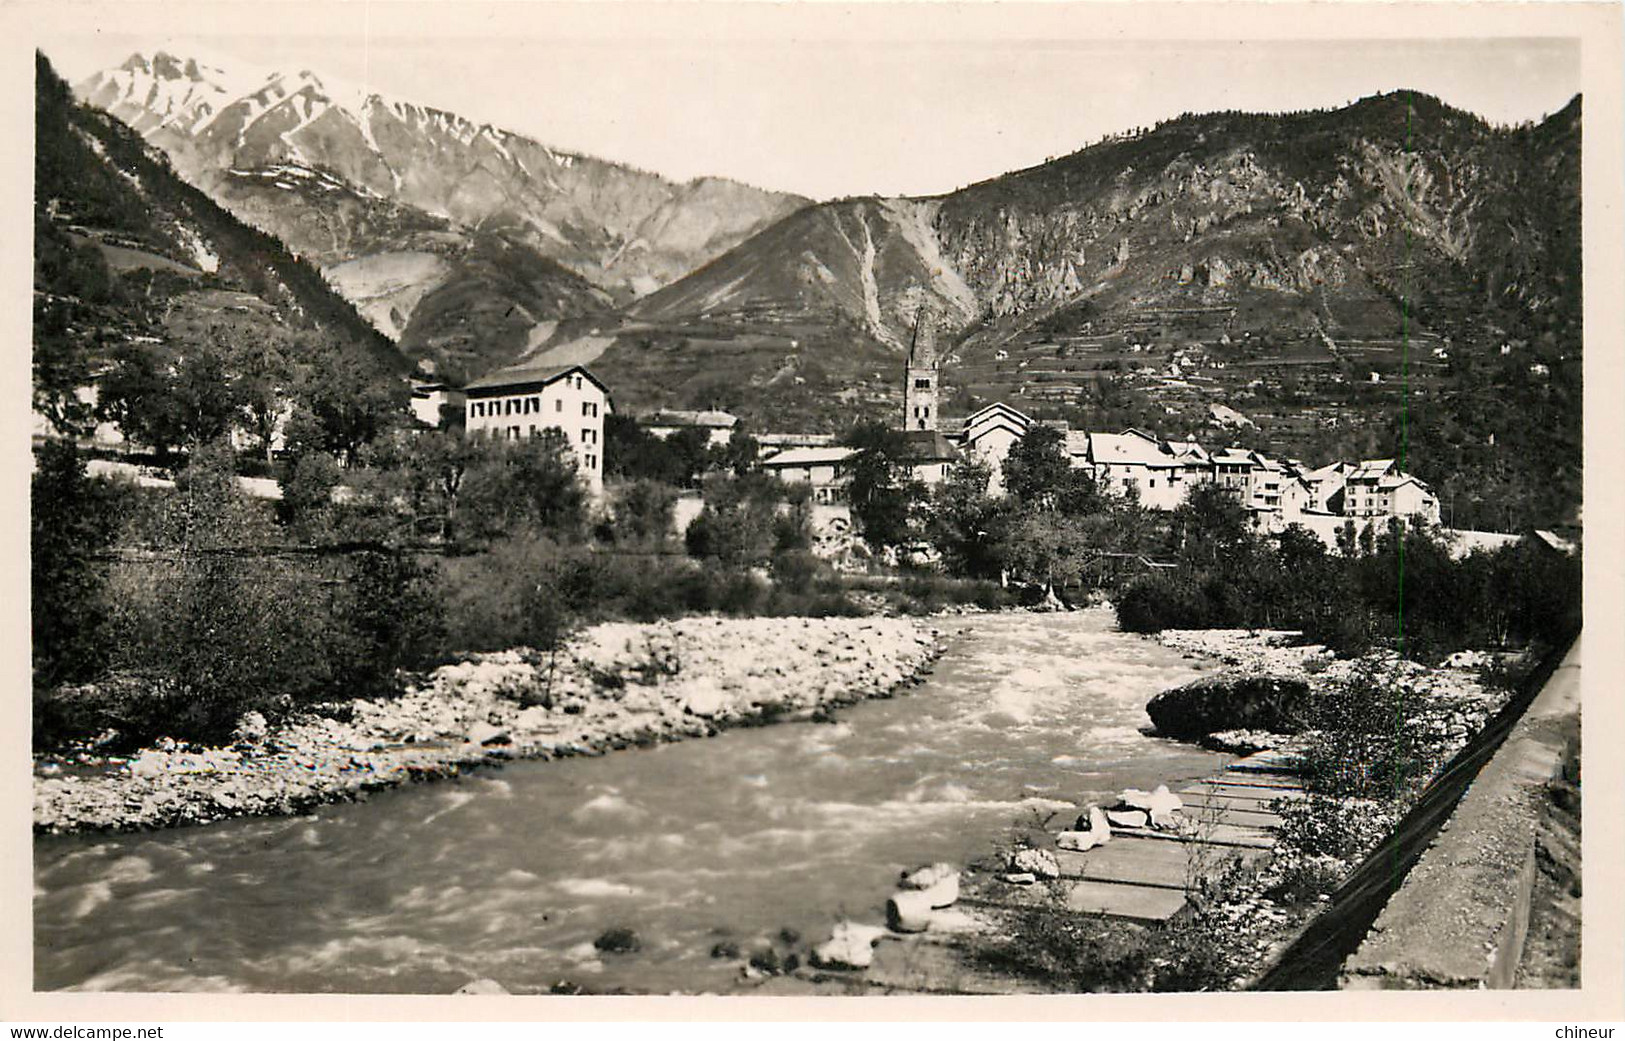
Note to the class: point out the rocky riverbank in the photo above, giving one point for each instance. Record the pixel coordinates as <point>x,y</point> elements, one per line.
<point>615,685</point>
<point>1263,696</point>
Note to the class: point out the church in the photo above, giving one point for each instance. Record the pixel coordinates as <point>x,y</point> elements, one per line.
<point>988,433</point>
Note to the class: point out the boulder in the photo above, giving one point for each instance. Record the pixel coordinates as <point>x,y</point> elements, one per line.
<point>908,911</point>
<point>1231,701</point>
<point>928,876</point>
<point>1080,841</point>
<point>487,734</point>
<point>150,764</point>
<point>620,940</point>
<point>1018,878</point>
<point>1128,818</point>
<point>850,946</point>
<point>1160,804</point>
<point>481,986</point>
<point>706,700</point>
<point>1040,863</point>
<point>251,729</point>
<point>1097,833</point>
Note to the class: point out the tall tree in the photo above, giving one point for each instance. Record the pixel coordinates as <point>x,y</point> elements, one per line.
<point>881,489</point>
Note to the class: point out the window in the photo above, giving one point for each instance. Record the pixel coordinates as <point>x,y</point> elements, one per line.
<point>586,437</point>
<point>922,384</point>
<point>558,404</point>
<point>586,408</point>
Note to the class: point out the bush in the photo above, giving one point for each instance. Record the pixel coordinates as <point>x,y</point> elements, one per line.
<point>1153,603</point>
<point>1368,738</point>
<point>1332,826</point>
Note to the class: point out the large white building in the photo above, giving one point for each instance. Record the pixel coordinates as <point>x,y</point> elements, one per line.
<point>523,400</point>
<point>988,434</point>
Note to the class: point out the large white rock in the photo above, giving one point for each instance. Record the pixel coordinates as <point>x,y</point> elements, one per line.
<point>1079,841</point>
<point>1160,804</point>
<point>909,911</point>
<point>481,986</point>
<point>850,946</point>
<point>251,728</point>
<point>1098,833</point>
<point>928,876</point>
<point>1128,818</point>
<point>706,700</point>
<point>1040,863</point>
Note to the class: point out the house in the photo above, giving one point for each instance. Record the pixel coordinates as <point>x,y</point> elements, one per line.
<point>1195,465</point>
<point>1378,488</point>
<point>1139,461</point>
<point>1326,483</point>
<point>718,426</point>
<point>1232,471</point>
<point>823,467</point>
<point>988,433</point>
<point>524,400</point>
<point>429,397</point>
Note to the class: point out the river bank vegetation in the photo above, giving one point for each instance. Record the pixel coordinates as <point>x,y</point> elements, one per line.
<point>172,611</point>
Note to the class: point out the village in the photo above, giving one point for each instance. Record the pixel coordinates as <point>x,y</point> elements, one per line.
<point>1154,471</point>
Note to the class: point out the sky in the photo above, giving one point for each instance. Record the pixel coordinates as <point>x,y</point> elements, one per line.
<point>822,99</point>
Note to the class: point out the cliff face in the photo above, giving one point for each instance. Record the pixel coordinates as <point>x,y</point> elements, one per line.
<point>1394,189</point>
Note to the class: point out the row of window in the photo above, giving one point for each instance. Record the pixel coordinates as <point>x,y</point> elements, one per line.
<point>587,437</point>
<point>524,407</point>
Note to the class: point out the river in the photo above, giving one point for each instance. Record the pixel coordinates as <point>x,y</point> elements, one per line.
<point>511,873</point>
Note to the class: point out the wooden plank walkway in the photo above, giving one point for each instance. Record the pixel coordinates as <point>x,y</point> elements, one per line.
<point>1140,876</point>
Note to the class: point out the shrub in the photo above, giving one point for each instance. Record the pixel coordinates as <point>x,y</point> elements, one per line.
<point>1153,603</point>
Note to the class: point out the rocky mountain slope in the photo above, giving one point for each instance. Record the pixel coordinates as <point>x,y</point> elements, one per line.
<point>127,256</point>
<point>345,176</point>
<point>1307,267</point>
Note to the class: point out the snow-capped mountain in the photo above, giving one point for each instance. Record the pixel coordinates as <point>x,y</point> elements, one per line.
<point>343,174</point>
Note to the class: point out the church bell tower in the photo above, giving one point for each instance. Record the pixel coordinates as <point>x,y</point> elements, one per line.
<point>920,383</point>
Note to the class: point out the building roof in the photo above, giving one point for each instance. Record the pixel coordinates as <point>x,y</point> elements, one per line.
<point>673,417</point>
<point>1189,451</point>
<point>998,408</point>
<point>928,446</point>
<point>1326,473</point>
<point>1234,456</point>
<point>530,374</point>
<point>1077,443</point>
<point>794,440</point>
<point>1371,469</point>
<point>1552,540</point>
<point>1130,448</point>
<point>832,455</point>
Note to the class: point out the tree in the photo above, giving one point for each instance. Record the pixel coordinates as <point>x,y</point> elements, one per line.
<point>1209,526</point>
<point>736,527</point>
<point>642,511</point>
<point>71,523</point>
<point>344,407</point>
<point>1037,465</point>
<point>264,375</point>
<point>168,398</point>
<point>528,486</point>
<point>881,488</point>
<point>966,525</point>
